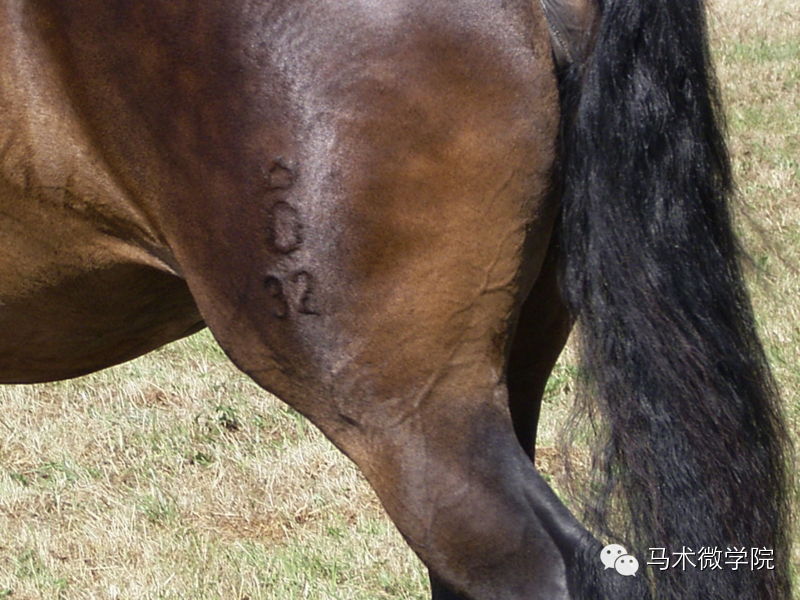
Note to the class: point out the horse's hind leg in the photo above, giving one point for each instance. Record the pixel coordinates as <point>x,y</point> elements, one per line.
<point>389,326</point>
<point>454,479</point>
<point>360,240</point>
<point>541,333</point>
<point>543,328</point>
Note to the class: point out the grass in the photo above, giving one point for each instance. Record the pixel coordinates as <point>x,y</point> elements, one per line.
<point>174,476</point>
<point>759,66</point>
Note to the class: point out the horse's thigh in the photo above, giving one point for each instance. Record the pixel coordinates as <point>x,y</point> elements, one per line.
<point>370,274</point>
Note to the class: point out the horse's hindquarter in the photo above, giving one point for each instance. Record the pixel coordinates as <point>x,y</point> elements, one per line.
<point>356,195</point>
<point>316,164</point>
<point>83,283</point>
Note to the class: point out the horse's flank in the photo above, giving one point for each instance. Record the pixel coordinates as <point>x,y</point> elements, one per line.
<point>86,279</point>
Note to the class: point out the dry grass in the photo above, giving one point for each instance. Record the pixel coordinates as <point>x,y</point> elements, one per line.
<point>759,67</point>
<point>175,477</point>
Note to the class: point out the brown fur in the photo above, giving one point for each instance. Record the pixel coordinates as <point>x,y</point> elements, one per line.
<point>353,195</point>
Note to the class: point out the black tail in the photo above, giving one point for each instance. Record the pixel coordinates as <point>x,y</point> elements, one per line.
<point>695,446</point>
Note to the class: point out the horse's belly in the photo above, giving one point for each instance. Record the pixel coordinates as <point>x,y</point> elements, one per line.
<point>75,299</point>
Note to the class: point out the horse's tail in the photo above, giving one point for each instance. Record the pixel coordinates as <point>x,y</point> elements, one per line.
<point>694,455</point>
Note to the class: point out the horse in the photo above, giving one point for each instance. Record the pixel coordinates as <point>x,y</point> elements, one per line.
<point>391,215</point>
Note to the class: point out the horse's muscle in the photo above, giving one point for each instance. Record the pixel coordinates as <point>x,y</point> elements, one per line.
<point>85,280</point>
<point>357,195</point>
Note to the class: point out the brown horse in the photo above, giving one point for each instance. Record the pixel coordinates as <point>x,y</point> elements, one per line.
<point>360,199</point>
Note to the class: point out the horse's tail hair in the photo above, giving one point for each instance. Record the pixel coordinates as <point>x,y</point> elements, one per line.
<point>694,452</point>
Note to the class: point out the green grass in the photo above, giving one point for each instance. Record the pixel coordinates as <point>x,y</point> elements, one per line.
<point>174,476</point>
